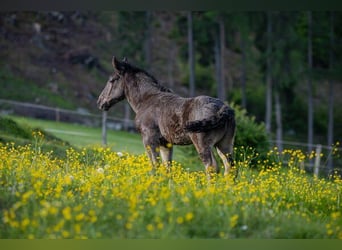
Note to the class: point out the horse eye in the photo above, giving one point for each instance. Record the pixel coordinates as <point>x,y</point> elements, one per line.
<point>114,78</point>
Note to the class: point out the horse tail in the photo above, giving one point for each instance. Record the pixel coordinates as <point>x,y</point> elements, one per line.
<point>224,115</point>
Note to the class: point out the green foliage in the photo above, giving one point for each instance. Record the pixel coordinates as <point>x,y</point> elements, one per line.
<point>255,99</point>
<point>131,34</point>
<point>250,133</point>
<point>295,115</point>
<point>204,79</point>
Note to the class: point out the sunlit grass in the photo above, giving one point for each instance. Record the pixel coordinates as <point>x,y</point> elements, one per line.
<point>98,193</point>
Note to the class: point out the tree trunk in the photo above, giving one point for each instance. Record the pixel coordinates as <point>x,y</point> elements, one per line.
<point>147,45</point>
<point>331,94</point>
<point>268,117</point>
<point>243,72</point>
<point>217,63</point>
<point>221,84</point>
<point>279,122</point>
<point>191,56</point>
<point>310,98</point>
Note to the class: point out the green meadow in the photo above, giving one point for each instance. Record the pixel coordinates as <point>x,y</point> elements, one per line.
<point>101,192</point>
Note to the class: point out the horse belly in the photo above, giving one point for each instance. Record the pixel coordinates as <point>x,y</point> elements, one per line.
<point>175,134</point>
<point>181,139</point>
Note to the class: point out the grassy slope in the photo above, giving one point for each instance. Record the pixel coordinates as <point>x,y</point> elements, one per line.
<point>83,136</point>
<point>22,134</point>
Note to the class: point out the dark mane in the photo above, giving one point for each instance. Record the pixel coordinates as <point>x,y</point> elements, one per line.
<point>135,70</point>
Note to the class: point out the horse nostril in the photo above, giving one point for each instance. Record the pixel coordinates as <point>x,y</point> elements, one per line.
<point>103,105</point>
<point>100,105</point>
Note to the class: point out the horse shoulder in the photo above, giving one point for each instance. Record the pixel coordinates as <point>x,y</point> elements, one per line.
<point>146,119</point>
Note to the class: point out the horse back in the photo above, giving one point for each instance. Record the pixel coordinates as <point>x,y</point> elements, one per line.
<point>169,115</point>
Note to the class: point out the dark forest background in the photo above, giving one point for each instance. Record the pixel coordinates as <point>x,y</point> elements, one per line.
<point>284,68</point>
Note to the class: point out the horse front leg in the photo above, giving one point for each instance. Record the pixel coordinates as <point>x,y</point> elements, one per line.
<point>153,154</point>
<point>152,149</point>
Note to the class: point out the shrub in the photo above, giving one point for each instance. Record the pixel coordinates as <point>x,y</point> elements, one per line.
<point>249,133</point>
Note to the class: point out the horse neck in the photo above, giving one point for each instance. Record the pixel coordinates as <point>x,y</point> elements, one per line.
<point>137,92</point>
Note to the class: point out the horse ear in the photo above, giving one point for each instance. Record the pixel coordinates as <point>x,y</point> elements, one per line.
<point>125,60</point>
<point>117,65</point>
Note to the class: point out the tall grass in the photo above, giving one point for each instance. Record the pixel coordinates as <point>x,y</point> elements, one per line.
<point>97,193</point>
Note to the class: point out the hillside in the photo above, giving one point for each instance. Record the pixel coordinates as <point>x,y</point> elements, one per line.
<point>52,58</point>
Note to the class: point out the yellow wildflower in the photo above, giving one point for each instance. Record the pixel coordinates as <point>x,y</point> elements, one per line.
<point>67,213</point>
<point>150,227</point>
<point>234,220</point>
<point>180,220</point>
<point>189,216</point>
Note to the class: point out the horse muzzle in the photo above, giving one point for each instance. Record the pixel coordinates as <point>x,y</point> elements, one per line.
<point>103,105</point>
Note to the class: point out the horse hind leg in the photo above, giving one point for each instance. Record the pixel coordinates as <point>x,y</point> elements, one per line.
<point>227,160</point>
<point>208,159</point>
<point>204,149</point>
<point>225,151</point>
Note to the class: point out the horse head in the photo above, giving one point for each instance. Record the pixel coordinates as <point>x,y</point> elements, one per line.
<point>113,92</point>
